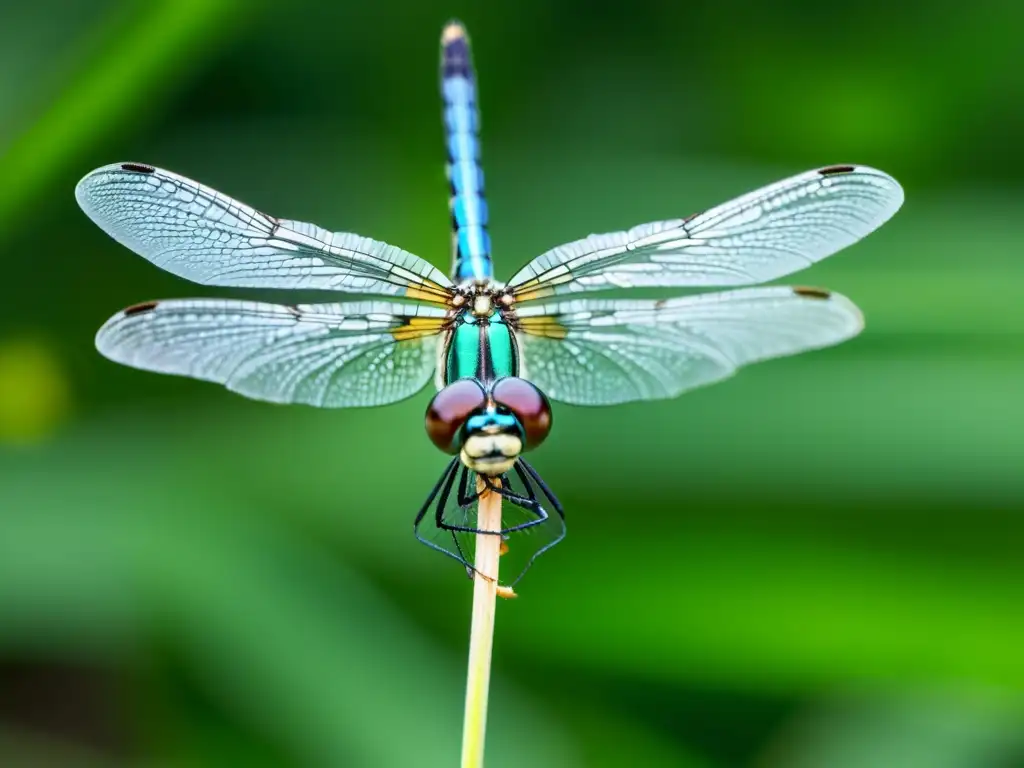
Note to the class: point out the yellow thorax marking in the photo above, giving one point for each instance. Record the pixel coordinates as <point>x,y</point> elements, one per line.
<point>416,327</point>
<point>436,295</point>
<point>544,325</point>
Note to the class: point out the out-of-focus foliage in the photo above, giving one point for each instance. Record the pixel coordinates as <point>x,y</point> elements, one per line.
<point>814,564</point>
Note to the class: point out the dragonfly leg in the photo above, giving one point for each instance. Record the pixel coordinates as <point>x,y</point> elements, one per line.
<point>457,479</point>
<point>540,484</point>
<point>504,491</point>
<point>528,502</point>
<point>535,509</point>
<point>529,477</point>
<point>441,491</point>
<point>465,498</point>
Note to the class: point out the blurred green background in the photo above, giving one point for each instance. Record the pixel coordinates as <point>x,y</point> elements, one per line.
<point>814,564</point>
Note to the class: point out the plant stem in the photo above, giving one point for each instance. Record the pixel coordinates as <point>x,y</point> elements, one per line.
<point>481,636</point>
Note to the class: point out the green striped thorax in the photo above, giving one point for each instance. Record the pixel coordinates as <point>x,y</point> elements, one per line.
<point>484,412</point>
<point>481,348</point>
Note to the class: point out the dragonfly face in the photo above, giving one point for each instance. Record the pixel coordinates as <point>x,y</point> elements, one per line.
<point>496,352</point>
<point>488,429</point>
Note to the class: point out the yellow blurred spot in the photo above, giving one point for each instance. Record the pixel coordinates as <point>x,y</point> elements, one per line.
<point>505,592</point>
<point>34,391</point>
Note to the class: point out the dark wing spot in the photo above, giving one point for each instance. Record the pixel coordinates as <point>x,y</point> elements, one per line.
<point>138,309</point>
<point>293,310</point>
<point>660,303</point>
<point>137,168</point>
<point>832,170</point>
<point>812,293</point>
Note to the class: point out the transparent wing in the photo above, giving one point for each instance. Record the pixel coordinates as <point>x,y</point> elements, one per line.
<point>206,237</point>
<point>601,352</point>
<point>329,355</point>
<point>758,237</point>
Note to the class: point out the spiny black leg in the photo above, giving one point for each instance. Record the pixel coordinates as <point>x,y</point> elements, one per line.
<point>468,529</point>
<point>554,502</point>
<point>439,519</point>
<point>433,494</point>
<point>465,497</point>
<point>447,480</point>
<point>443,500</point>
<point>530,502</point>
<point>505,492</point>
<point>525,480</point>
<point>534,508</point>
<point>544,488</point>
<point>464,500</point>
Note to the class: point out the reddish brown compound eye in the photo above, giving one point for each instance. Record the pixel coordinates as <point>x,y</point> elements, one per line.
<point>449,410</point>
<point>528,404</point>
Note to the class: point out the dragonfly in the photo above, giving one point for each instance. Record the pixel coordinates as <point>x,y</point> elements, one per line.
<point>498,353</point>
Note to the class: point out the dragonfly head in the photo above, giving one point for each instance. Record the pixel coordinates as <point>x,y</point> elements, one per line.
<point>488,429</point>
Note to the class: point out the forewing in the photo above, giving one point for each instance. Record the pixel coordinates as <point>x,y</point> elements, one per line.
<point>758,237</point>
<point>601,352</point>
<point>329,355</point>
<point>197,233</point>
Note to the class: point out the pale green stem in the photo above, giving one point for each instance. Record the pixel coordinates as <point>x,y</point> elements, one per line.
<point>485,590</point>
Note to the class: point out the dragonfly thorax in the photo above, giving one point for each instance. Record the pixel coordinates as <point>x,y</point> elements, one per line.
<point>482,305</point>
<point>482,296</point>
<point>480,342</point>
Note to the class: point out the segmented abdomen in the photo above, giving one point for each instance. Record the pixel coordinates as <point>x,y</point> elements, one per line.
<point>471,245</point>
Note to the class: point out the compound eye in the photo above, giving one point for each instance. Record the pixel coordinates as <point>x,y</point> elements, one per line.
<point>449,410</point>
<point>528,404</point>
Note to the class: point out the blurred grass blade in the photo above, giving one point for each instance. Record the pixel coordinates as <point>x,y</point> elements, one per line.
<point>117,77</point>
<point>743,606</point>
<point>19,749</point>
<point>278,635</point>
<point>909,729</point>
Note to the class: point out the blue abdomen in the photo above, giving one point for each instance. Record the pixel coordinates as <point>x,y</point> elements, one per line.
<point>471,245</point>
